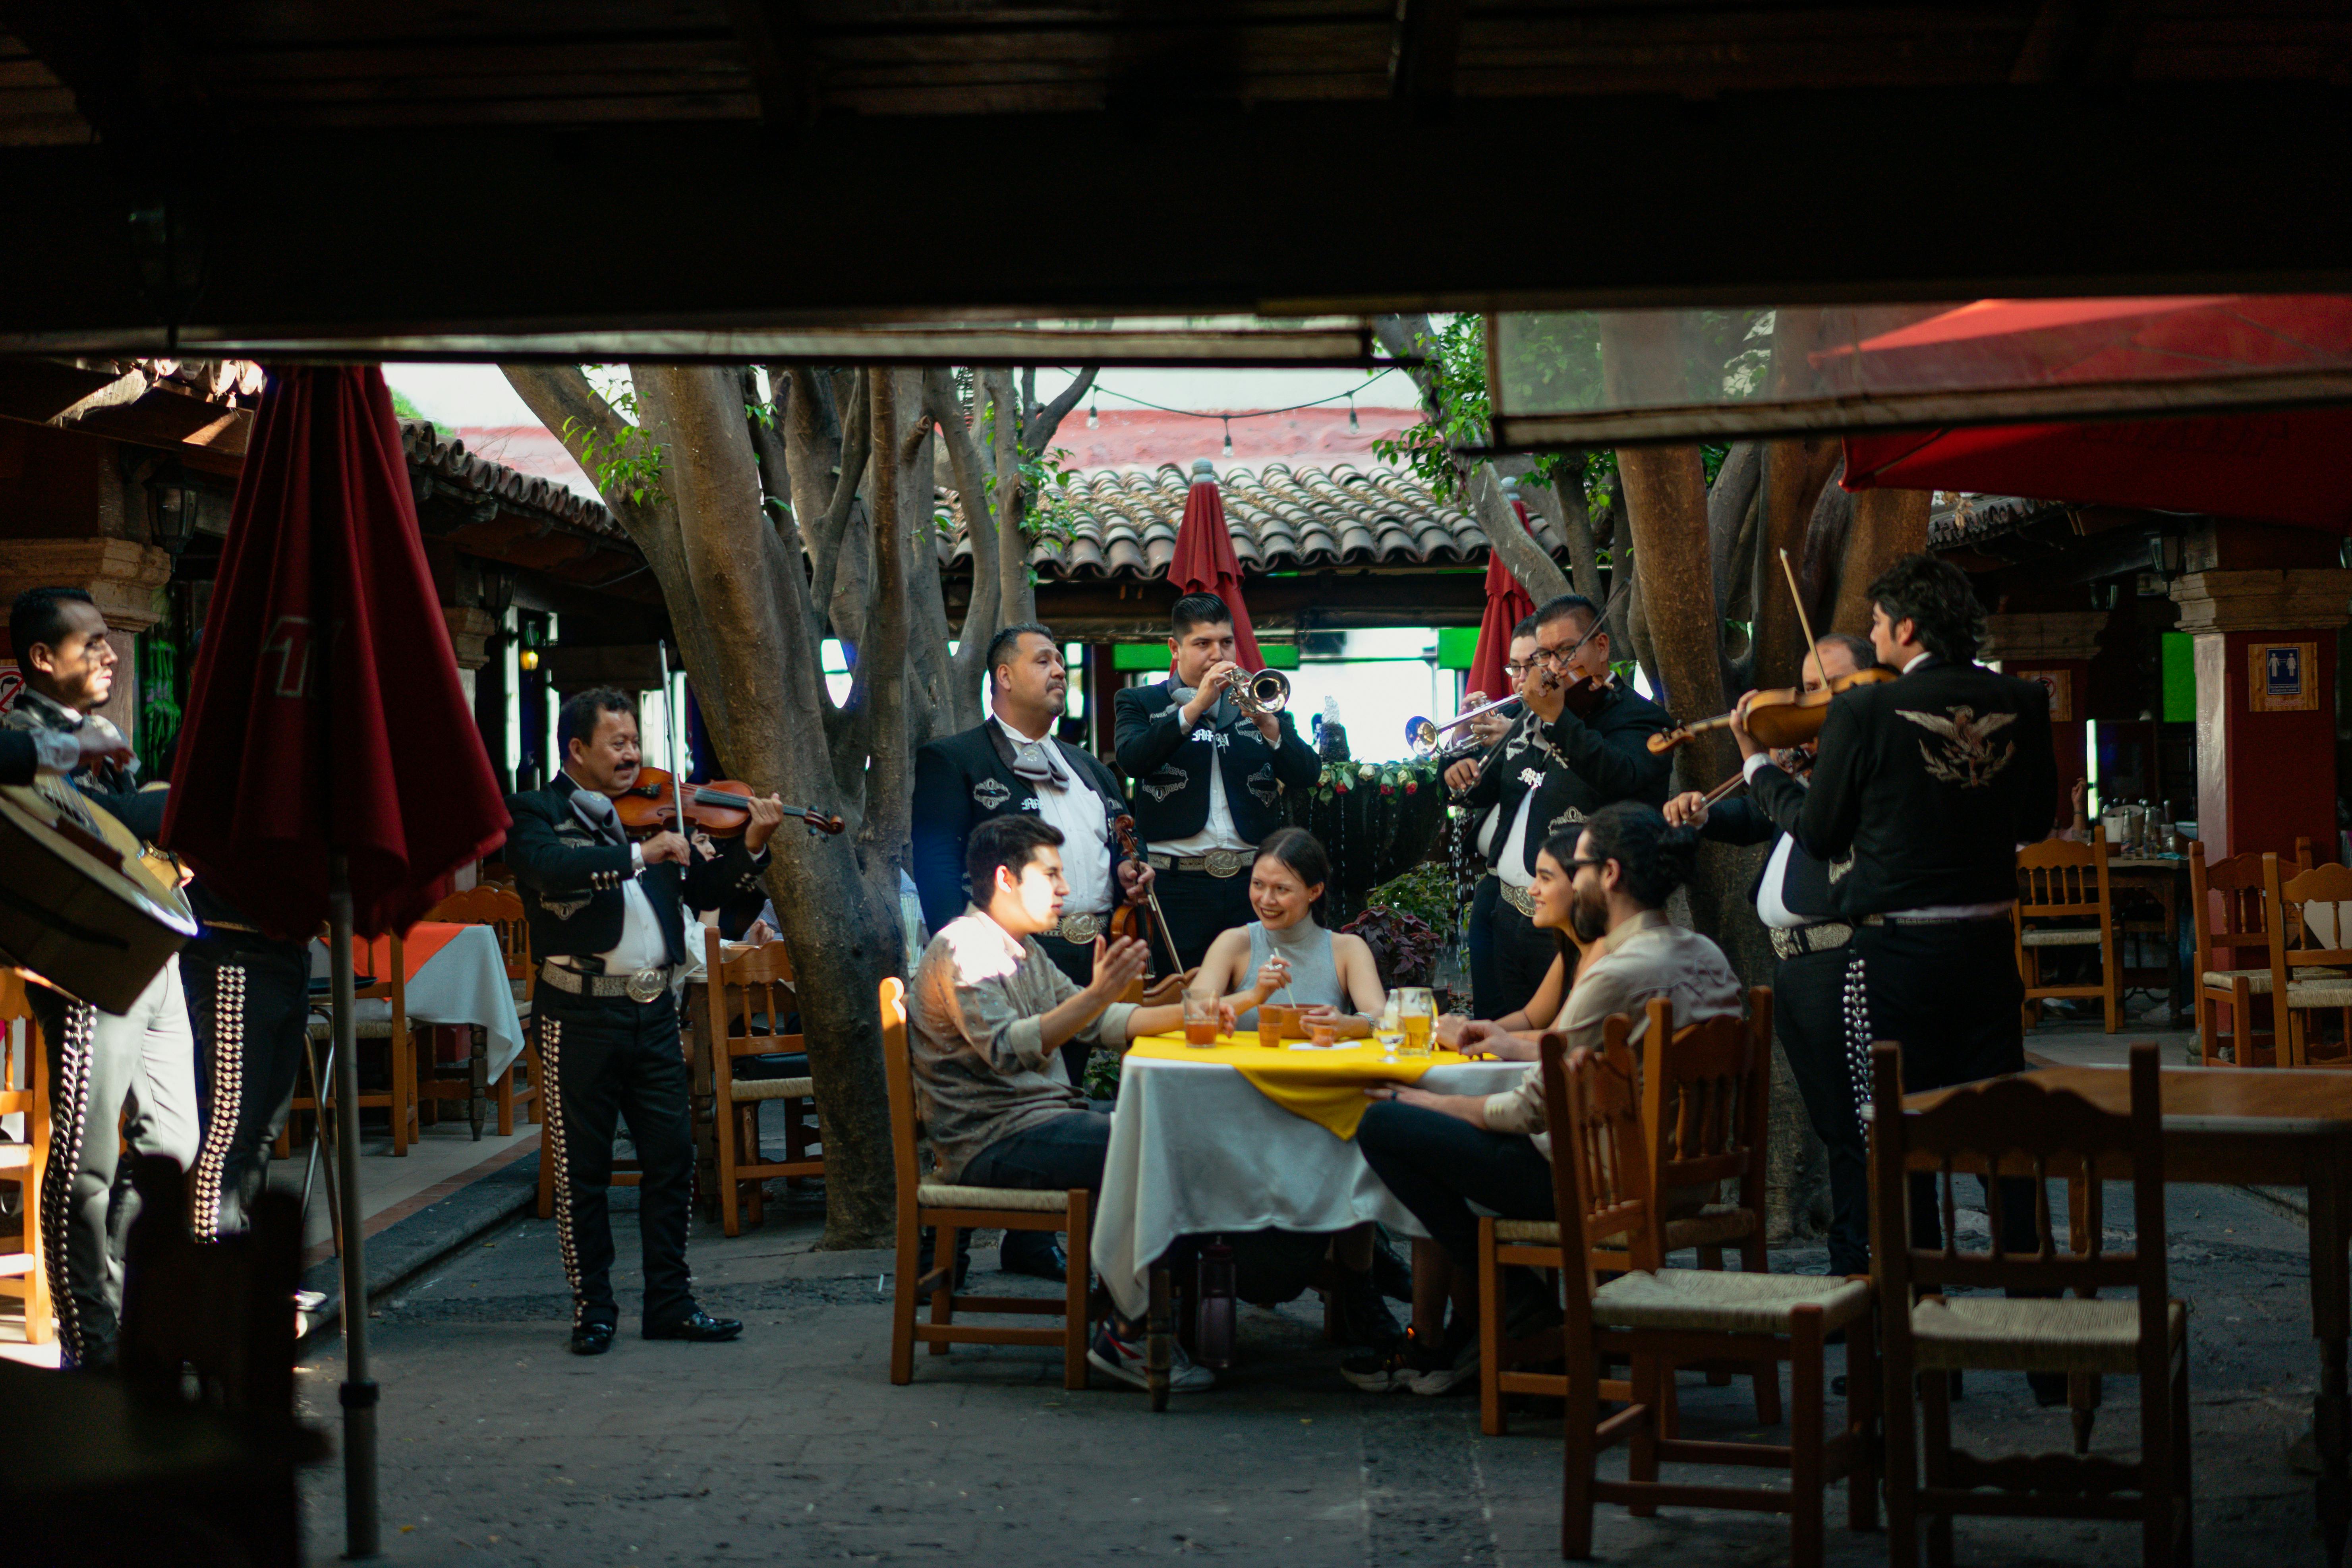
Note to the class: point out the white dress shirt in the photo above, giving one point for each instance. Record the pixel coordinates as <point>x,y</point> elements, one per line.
<point>1218,832</point>
<point>1078,811</point>
<point>1769,906</point>
<point>641,945</point>
<point>1512,867</point>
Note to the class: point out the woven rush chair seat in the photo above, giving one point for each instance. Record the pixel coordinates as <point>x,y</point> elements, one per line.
<point>2319,993</point>
<point>1716,1302</point>
<point>745,1088</point>
<point>365,1026</point>
<point>2061,939</point>
<point>2061,1333</point>
<point>2258,981</point>
<point>950,1196</point>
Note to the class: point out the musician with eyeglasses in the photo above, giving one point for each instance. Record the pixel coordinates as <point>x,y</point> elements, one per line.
<point>1209,772</point>
<point>1487,731</point>
<point>1580,743</point>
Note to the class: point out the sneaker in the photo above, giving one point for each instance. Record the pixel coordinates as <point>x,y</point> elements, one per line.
<point>1385,1371</point>
<point>1361,1317</point>
<point>1123,1359</point>
<point>1455,1361</point>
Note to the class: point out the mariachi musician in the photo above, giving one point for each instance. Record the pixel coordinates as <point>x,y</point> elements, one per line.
<point>1922,790</point>
<point>1794,899</point>
<point>1582,743</point>
<point>1208,775</point>
<point>608,927</point>
<point>134,1071</point>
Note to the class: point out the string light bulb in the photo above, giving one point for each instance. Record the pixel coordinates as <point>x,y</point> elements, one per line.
<point>1351,412</point>
<point>1229,437</point>
<point>1094,413</point>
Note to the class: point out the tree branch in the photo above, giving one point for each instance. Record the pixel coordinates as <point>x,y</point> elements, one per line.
<point>1039,427</point>
<point>980,621</point>
<point>883,658</point>
<point>1525,559</point>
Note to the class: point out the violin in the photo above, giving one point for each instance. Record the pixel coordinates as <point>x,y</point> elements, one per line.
<point>1126,920</point>
<point>1789,716</point>
<point>718,808</point>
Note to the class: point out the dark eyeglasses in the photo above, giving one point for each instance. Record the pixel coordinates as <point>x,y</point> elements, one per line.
<point>1579,862</point>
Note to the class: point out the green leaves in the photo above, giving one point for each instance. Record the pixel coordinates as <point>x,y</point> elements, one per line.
<point>629,467</point>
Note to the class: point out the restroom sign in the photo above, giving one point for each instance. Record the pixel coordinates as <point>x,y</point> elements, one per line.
<point>2283,677</point>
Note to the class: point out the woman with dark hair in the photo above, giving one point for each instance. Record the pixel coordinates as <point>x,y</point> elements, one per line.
<point>1330,975</point>
<point>1440,1153</point>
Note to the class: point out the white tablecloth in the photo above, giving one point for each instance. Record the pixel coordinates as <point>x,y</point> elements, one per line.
<point>1194,1147</point>
<point>464,983</point>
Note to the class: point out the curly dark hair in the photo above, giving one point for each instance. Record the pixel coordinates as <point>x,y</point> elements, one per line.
<point>1935,597</point>
<point>1654,859</point>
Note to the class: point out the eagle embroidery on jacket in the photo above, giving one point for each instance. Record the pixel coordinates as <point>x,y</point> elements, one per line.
<point>1966,757</point>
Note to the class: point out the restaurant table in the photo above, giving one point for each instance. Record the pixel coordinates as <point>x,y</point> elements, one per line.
<point>1195,1148</point>
<point>456,974</point>
<point>2277,1127</point>
<point>2164,880</point>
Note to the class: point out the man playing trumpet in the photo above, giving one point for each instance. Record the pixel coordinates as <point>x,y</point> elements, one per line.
<point>1208,775</point>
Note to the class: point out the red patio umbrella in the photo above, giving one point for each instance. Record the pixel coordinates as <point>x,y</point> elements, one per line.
<point>1205,562</point>
<point>329,768</point>
<point>1508,605</point>
<point>2272,467</point>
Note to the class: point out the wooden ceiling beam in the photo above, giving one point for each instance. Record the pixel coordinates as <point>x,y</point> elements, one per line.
<point>1427,46</point>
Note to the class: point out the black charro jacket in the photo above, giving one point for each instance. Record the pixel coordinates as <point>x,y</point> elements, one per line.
<point>571,880</point>
<point>1925,785</point>
<point>962,781</point>
<point>1170,765</point>
<point>1805,889</point>
<point>1575,765</point>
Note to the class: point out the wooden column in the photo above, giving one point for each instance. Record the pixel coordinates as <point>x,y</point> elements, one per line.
<point>1102,680</point>
<point>2054,647</point>
<point>2266,650</point>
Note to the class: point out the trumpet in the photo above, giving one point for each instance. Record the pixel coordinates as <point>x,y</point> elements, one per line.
<point>1427,737</point>
<point>1266,691</point>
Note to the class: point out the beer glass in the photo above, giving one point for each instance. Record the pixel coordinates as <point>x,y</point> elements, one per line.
<point>1417,1014</point>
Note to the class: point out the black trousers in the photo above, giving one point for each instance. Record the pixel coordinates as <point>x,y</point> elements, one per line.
<point>1068,1151</point>
<point>610,1060</point>
<point>1438,1165</point>
<point>1201,908</point>
<point>1808,994</point>
<point>1509,954</point>
<point>1949,993</point>
<point>249,1004</point>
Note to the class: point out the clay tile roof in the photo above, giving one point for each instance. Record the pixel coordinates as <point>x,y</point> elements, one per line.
<point>1122,522</point>
<point>448,462</point>
<point>1956,520</point>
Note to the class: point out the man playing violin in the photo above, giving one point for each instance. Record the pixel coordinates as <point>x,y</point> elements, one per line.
<point>1558,763</point>
<point>1793,898</point>
<point>608,925</point>
<point>1209,777</point>
<point>1922,789</point>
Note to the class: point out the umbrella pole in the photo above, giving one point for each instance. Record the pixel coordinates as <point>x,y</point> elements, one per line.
<point>358,1391</point>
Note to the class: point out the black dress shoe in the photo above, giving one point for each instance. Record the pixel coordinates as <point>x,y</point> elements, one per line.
<point>701,1328</point>
<point>1047,1262</point>
<point>2049,1388</point>
<point>591,1339</point>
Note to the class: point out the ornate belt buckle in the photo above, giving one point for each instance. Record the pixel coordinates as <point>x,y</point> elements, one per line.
<point>1081,928</point>
<point>1222,862</point>
<point>647,983</point>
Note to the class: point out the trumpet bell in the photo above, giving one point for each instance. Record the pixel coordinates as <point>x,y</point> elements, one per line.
<point>1421,735</point>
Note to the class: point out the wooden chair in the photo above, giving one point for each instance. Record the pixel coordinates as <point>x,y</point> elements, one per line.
<point>948,1208</point>
<point>23,1090</point>
<point>750,996</point>
<point>2307,909</point>
<point>2225,977</point>
<point>398,1098</point>
<point>1657,1318</point>
<point>500,910</point>
<point>1701,1129</point>
<point>2014,1126</point>
<point>2061,880</point>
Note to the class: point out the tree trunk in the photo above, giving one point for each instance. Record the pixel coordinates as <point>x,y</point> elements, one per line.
<point>1527,560</point>
<point>1887,526</point>
<point>1795,471</point>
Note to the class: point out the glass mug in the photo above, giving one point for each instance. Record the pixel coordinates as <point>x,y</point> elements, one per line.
<point>1417,1017</point>
<point>1200,1019</point>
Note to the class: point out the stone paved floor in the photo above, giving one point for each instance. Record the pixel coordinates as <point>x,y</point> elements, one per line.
<point>791,1445</point>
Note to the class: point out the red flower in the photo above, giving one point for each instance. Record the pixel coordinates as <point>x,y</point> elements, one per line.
<point>1411,788</point>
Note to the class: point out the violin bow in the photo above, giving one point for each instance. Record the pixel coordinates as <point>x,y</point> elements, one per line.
<point>669,723</point>
<point>1804,624</point>
<point>1123,826</point>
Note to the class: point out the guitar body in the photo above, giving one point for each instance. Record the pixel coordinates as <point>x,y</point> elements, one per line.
<point>81,908</point>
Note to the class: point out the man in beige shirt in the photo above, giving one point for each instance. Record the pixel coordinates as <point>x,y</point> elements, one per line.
<point>1440,1153</point>
<point>989,1016</point>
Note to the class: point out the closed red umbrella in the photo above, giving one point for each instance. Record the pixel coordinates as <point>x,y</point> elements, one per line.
<point>329,768</point>
<point>1508,605</point>
<point>1205,562</point>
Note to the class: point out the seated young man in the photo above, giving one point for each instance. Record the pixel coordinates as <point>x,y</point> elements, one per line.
<point>988,1015</point>
<point>1439,1153</point>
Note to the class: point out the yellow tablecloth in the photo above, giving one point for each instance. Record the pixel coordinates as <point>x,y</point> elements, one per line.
<point>1326,1087</point>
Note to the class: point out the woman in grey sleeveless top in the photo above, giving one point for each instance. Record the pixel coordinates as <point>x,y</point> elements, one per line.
<point>1286,955</point>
